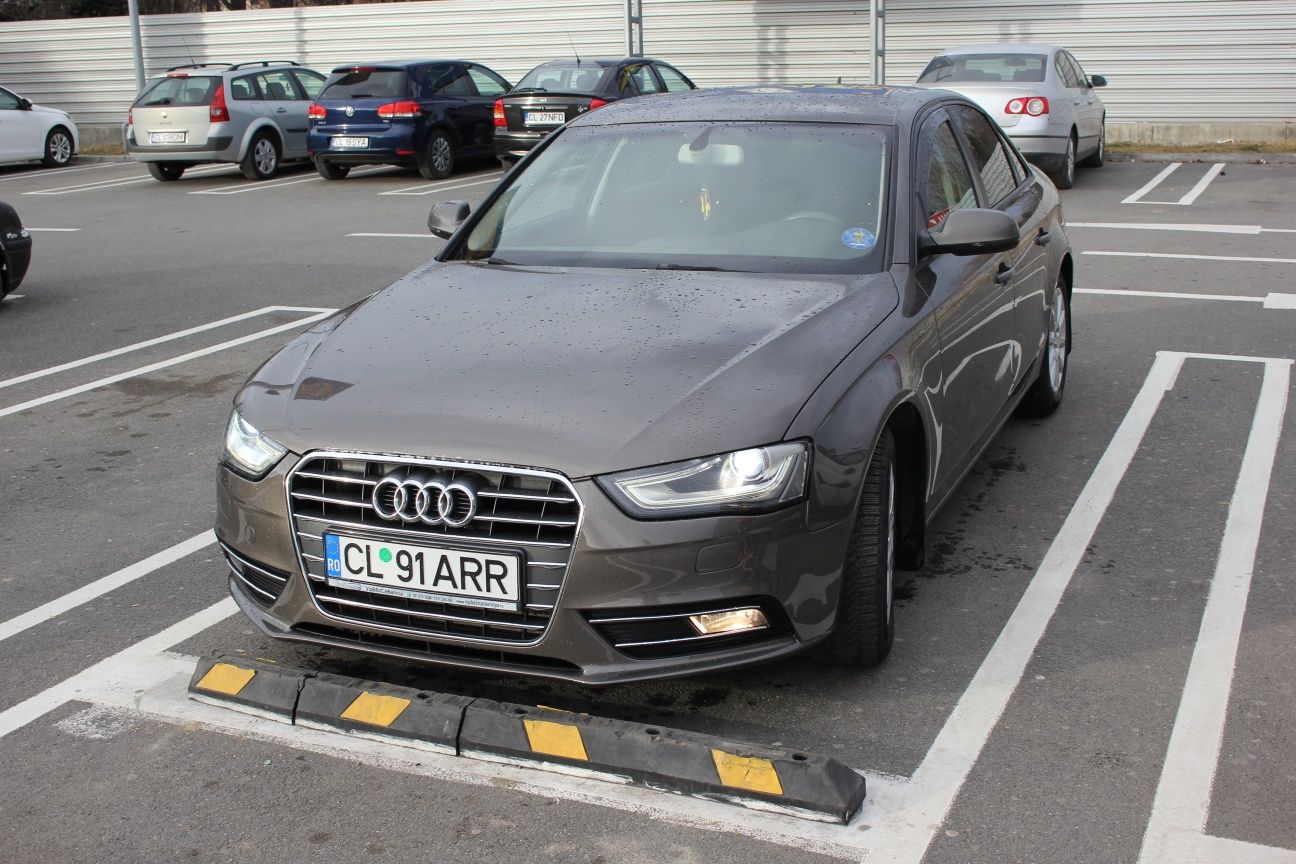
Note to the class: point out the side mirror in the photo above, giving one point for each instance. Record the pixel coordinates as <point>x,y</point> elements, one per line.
<point>447,216</point>
<point>971,232</point>
<point>24,104</point>
<point>1097,81</point>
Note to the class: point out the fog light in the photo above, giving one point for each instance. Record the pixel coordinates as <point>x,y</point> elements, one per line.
<point>733,621</point>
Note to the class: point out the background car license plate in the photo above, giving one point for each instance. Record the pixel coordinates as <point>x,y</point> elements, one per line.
<point>167,137</point>
<point>484,580</point>
<point>340,143</point>
<point>544,118</point>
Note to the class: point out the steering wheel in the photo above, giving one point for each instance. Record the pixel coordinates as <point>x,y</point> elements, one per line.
<point>817,215</point>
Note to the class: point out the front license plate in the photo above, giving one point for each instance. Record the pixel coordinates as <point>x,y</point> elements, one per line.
<point>484,580</point>
<point>167,137</point>
<point>342,143</point>
<point>544,118</point>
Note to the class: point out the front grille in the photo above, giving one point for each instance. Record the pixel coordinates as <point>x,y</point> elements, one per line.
<point>532,513</point>
<point>263,584</point>
<point>665,631</point>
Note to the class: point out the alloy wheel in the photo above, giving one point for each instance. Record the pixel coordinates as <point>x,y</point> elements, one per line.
<point>442,157</point>
<point>265,157</point>
<point>60,148</point>
<point>1057,341</point>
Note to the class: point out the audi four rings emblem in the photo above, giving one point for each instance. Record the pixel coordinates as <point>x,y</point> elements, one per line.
<point>432,500</point>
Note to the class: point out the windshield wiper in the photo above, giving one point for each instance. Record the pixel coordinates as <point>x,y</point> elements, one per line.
<point>491,260</point>
<point>694,267</point>
<point>529,90</point>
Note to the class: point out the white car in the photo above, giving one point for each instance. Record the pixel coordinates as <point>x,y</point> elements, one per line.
<point>29,132</point>
<point>1039,95</point>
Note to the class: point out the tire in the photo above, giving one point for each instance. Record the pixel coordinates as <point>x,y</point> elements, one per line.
<point>438,160</point>
<point>507,164</point>
<point>1095,159</point>
<point>58,148</point>
<point>865,627</point>
<point>1064,178</point>
<point>332,171</point>
<point>1045,394</point>
<point>166,171</point>
<point>262,159</point>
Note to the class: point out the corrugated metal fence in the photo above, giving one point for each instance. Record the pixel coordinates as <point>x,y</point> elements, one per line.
<point>1169,61</point>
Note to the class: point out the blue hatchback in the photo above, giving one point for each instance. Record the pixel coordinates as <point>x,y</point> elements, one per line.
<point>427,114</point>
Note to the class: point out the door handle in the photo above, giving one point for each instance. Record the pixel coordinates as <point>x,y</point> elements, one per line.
<point>1004,276</point>
<point>1042,238</point>
<point>281,110</point>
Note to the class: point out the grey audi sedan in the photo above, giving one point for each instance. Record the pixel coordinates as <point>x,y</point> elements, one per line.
<point>681,395</point>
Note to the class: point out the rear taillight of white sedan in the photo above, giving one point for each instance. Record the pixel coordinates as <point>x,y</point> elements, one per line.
<point>1033,106</point>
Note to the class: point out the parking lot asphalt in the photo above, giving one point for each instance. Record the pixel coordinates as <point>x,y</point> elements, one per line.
<point>1094,664</point>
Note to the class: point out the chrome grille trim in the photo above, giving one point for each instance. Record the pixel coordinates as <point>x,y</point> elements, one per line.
<point>684,639</point>
<point>528,511</point>
<point>246,584</point>
<point>243,562</point>
<point>630,619</point>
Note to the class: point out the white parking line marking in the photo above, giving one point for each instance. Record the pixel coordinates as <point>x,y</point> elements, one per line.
<point>102,586</point>
<point>1157,226</point>
<point>1280,301</point>
<point>162,364</point>
<point>27,175</point>
<point>1171,295</point>
<point>1151,184</point>
<point>418,236</point>
<point>9,297</point>
<point>53,230</point>
<point>1194,192</point>
<point>431,188</point>
<point>1183,795</point>
<point>149,343</point>
<point>109,184</point>
<point>1193,257</point>
<point>276,184</point>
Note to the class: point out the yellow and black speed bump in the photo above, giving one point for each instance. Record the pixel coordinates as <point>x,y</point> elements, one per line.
<point>429,721</point>
<point>254,686</point>
<point>666,759</point>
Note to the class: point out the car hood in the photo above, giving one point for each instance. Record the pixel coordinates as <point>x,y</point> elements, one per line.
<point>583,371</point>
<point>45,109</point>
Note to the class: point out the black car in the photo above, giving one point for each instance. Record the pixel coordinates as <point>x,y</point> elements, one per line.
<point>553,93</point>
<point>15,249</point>
<point>669,402</point>
<point>425,114</point>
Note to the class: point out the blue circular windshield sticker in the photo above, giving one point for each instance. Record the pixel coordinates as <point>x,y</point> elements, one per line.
<point>858,238</point>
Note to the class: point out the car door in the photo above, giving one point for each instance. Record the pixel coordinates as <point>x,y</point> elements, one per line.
<point>459,106</point>
<point>285,104</point>
<point>488,87</point>
<point>22,131</point>
<point>1091,107</point>
<point>971,301</point>
<point>1072,108</point>
<point>1005,185</point>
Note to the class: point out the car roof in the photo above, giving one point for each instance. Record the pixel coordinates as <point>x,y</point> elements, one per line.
<point>401,64</point>
<point>598,61</point>
<point>1002,48</point>
<point>830,103</point>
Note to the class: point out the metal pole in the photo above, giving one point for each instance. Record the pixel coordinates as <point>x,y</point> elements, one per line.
<point>634,21</point>
<point>137,44</point>
<point>877,33</point>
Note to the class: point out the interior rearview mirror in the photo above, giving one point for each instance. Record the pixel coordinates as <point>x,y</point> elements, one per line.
<point>971,232</point>
<point>447,216</point>
<point>1097,81</point>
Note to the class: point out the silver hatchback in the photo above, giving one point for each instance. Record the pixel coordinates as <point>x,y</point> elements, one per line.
<point>253,114</point>
<point>1039,95</point>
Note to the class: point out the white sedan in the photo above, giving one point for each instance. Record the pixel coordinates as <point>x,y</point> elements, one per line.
<point>29,132</point>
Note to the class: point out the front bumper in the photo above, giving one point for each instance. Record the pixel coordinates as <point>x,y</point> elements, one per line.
<point>620,568</point>
<point>17,256</point>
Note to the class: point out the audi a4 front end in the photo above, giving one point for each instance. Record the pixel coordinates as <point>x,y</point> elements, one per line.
<point>640,418</point>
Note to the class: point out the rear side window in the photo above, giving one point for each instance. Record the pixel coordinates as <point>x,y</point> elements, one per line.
<point>449,81</point>
<point>965,68</point>
<point>243,89</point>
<point>989,158</point>
<point>1066,73</point>
<point>174,90</point>
<point>948,185</point>
<point>277,86</point>
<point>675,82</point>
<point>365,83</point>
<point>1081,78</point>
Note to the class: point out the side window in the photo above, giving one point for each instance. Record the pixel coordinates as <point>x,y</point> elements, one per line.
<point>644,79</point>
<point>8,101</point>
<point>948,185</point>
<point>675,82</point>
<point>1064,71</point>
<point>1082,80</point>
<point>243,89</point>
<point>452,81</point>
<point>277,86</point>
<point>487,83</point>
<point>989,158</point>
<point>310,83</point>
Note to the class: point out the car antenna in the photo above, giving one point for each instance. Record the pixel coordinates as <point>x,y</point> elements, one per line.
<point>573,44</point>
<point>185,42</point>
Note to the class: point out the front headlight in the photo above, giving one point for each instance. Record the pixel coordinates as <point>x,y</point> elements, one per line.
<point>760,478</point>
<point>247,451</point>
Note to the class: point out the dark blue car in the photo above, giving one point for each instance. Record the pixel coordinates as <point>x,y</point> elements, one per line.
<point>426,114</point>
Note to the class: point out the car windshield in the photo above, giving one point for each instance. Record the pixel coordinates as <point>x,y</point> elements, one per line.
<point>563,77</point>
<point>178,90</point>
<point>970,68</point>
<point>756,197</point>
<point>365,83</point>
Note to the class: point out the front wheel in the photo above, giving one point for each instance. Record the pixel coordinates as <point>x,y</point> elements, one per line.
<point>331,170</point>
<point>1095,159</point>
<point>438,157</point>
<point>1045,394</point>
<point>58,148</point>
<point>166,171</point>
<point>865,627</point>
<point>1064,178</point>
<point>262,159</point>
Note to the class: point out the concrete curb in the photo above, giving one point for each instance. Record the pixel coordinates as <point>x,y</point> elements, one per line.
<point>667,760</point>
<point>1234,157</point>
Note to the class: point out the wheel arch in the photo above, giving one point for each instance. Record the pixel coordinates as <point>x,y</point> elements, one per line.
<point>1067,273</point>
<point>912,479</point>
<point>262,124</point>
